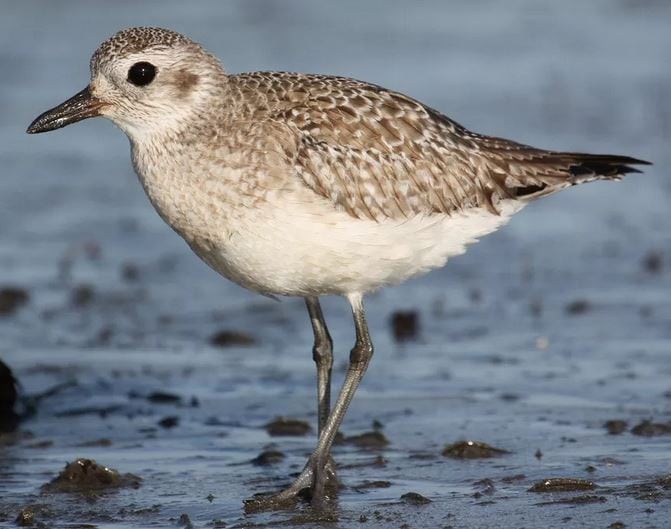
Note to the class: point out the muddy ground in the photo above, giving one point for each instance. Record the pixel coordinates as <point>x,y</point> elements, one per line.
<point>549,340</point>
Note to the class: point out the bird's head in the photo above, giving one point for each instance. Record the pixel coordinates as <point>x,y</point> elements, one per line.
<point>144,80</point>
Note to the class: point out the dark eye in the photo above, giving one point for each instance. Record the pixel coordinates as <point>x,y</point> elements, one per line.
<point>141,73</point>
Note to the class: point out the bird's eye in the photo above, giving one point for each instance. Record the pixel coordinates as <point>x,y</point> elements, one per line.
<point>141,73</point>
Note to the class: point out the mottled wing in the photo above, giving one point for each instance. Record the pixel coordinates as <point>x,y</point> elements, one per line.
<point>379,154</point>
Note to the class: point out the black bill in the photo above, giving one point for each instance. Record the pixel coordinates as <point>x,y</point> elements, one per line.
<point>80,106</point>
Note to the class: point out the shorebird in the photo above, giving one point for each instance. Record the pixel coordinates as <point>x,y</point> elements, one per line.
<point>306,185</point>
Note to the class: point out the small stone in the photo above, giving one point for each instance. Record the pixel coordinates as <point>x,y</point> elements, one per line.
<point>472,450</point>
<point>227,338</point>
<point>86,476</point>
<point>562,485</point>
<point>285,426</point>
<point>82,295</point>
<point>369,440</point>
<point>267,458</point>
<point>615,426</point>
<point>653,262</point>
<point>577,307</point>
<point>405,325</point>
<point>163,397</point>
<point>26,518</point>
<point>11,299</point>
<point>169,422</point>
<point>414,498</point>
<point>652,429</point>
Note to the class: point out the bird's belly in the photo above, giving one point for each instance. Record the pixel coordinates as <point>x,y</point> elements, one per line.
<point>301,251</point>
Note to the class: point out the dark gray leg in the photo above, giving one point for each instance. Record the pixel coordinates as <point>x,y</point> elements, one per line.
<point>314,475</point>
<point>322,354</point>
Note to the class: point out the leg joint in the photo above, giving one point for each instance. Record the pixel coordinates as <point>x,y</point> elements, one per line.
<point>361,353</point>
<point>322,350</point>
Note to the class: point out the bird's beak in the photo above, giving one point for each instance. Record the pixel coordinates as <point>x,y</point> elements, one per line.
<point>80,106</point>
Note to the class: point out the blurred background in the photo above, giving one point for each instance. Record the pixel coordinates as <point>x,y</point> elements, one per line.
<point>566,310</point>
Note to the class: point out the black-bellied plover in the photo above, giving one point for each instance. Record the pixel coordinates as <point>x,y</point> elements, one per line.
<point>307,185</point>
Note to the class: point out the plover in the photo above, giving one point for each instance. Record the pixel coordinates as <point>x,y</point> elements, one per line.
<point>309,185</point>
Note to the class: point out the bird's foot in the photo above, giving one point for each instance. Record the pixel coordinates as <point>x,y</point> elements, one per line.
<point>317,484</point>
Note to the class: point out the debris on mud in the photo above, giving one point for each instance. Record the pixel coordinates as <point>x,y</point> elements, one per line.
<point>414,498</point>
<point>653,262</point>
<point>85,476</point>
<point>615,426</point>
<point>484,487</point>
<point>11,299</point>
<point>576,500</point>
<point>227,338</point>
<point>472,450</point>
<point>286,426</point>
<point>163,397</point>
<point>653,490</point>
<point>562,485</point>
<point>185,521</point>
<point>651,429</point>
<point>102,442</point>
<point>405,325</point>
<point>377,484</point>
<point>267,458</point>
<point>368,440</point>
<point>171,421</point>
<point>25,518</point>
<point>9,419</point>
<point>82,296</point>
<point>578,307</point>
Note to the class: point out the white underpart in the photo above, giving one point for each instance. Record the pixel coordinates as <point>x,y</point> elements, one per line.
<point>305,249</point>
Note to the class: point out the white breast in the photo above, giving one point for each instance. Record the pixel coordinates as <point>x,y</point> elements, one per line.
<point>301,249</point>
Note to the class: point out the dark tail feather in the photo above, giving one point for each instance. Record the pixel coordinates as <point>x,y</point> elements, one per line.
<point>557,170</point>
<point>601,165</point>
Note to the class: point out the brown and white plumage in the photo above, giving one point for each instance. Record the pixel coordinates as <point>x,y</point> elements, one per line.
<point>379,154</point>
<point>306,185</point>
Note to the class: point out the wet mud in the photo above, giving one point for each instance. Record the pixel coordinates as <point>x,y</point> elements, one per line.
<point>544,352</point>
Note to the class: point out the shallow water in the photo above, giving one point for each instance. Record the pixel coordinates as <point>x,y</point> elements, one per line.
<point>530,342</point>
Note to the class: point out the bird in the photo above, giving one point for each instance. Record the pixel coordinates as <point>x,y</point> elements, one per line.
<point>308,185</point>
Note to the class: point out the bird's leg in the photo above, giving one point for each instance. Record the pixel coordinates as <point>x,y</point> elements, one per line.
<point>322,354</point>
<point>314,475</point>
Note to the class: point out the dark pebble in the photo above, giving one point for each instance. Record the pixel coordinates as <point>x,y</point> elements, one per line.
<point>82,295</point>
<point>405,325</point>
<point>373,485</point>
<point>169,422</point>
<point>103,442</point>
<point>285,426</point>
<point>267,458</point>
<point>163,397</point>
<point>130,272</point>
<point>228,338</point>
<point>562,485</point>
<point>653,262</point>
<point>652,429</point>
<point>577,500</point>
<point>370,440</point>
<point>615,427</point>
<point>11,299</point>
<point>577,307</point>
<point>87,476</point>
<point>26,518</point>
<point>413,498</point>
<point>185,521</point>
<point>472,450</point>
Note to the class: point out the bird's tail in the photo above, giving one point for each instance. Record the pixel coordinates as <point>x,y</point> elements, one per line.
<point>551,171</point>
